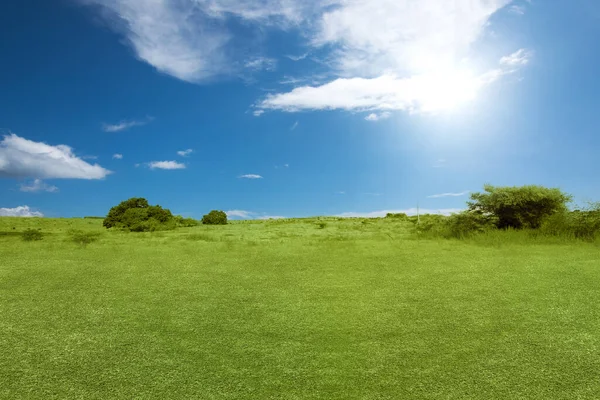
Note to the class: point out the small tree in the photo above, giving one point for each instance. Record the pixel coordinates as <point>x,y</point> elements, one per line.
<point>215,217</point>
<point>519,207</point>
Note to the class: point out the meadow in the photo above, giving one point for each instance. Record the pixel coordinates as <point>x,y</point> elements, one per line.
<point>295,309</point>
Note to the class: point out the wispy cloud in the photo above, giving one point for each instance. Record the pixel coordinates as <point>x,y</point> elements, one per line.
<point>125,125</point>
<point>168,165</point>
<point>437,196</point>
<point>250,176</point>
<point>38,186</point>
<point>258,113</point>
<point>409,211</point>
<point>340,192</point>
<point>185,153</point>
<point>261,64</point>
<point>378,117</point>
<point>297,58</point>
<point>519,58</point>
<point>117,156</point>
<point>242,214</point>
<point>294,126</point>
<point>22,158</point>
<point>517,9</point>
<point>21,211</point>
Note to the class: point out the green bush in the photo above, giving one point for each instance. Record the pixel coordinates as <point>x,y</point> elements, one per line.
<point>398,216</point>
<point>136,215</point>
<point>83,238</point>
<point>186,222</point>
<point>215,217</point>
<point>322,225</point>
<point>519,207</point>
<point>468,223</point>
<point>578,224</point>
<point>30,235</point>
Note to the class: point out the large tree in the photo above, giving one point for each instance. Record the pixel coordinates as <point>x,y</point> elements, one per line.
<point>519,207</point>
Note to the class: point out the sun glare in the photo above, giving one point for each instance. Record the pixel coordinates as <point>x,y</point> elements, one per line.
<point>446,90</point>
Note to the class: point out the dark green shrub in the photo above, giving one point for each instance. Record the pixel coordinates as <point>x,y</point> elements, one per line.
<point>30,235</point>
<point>186,222</point>
<point>519,207</point>
<point>398,216</point>
<point>136,215</point>
<point>215,217</point>
<point>467,223</point>
<point>322,225</point>
<point>83,238</point>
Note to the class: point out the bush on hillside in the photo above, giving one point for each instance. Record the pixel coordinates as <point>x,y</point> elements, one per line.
<point>215,217</point>
<point>136,215</point>
<point>399,216</point>
<point>30,235</point>
<point>579,224</point>
<point>467,223</point>
<point>519,207</point>
<point>186,222</point>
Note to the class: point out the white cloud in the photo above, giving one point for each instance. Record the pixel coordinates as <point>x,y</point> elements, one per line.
<point>168,165</point>
<point>428,93</point>
<point>294,126</point>
<point>22,158</point>
<point>185,153</point>
<point>261,64</point>
<point>438,196</point>
<point>516,9</point>
<point>124,125</point>
<point>258,113</point>
<point>378,117</point>
<point>519,58</point>
<point>297,58</point>
<point>38,186</point>
<point>117,156</point>
<point>21,211</point>
<point>239,214</point>
<point>250,176</point>
<point>242,214</point>
<point>374,37</point>
<point>409,211</point>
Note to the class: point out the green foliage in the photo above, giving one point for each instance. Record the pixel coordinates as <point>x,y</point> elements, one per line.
<point>186,222</point>
<point>519,207</point>
<point>30,235</point>
<point>398,216</point>
<point>580,224</point>
<point>136,215</point>
<point>468,223</point>
<point>322,225</point>
<point>82,238</point>
<point>215,217</point>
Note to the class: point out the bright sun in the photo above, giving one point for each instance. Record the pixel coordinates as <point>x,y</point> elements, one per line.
<point>446,90</point>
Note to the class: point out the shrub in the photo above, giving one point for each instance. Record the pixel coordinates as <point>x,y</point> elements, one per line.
<point>186,222</point>
<point>215,217</point>
<point>399,216</point>
<point>30,235</point>
<point>136,215</point>
<point>519,207</point>
<point>322,225</point>
<point>467,223</point>
<point>83,238</point>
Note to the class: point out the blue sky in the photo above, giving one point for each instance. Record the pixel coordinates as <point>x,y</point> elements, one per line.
<point>296,107</point>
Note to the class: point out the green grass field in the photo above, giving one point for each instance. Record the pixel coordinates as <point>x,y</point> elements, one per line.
<point>286,310</point>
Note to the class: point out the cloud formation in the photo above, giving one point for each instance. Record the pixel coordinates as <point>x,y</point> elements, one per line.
<point>22,158</point>
<point>21,211</point>
<point>242,214</point>
<point>374,117</point>
<point>125,125</point>
<point>167,165</point>
<point>117,156</point>
<point>185,153</point>
<point>438,196</point>
<point>38,186</point>
<point>250,176</point>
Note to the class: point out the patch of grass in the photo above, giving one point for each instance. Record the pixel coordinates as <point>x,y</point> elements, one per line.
<point>293,312</point>
<point>83,238</point>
